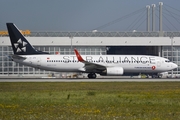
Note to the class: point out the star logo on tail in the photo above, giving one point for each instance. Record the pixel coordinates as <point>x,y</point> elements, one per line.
<point>20,46</point>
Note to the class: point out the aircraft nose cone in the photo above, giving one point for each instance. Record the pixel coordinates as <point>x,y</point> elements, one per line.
<point>174,66</point>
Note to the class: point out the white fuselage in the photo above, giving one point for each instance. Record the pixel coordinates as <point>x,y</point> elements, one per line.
<point>69,63</point>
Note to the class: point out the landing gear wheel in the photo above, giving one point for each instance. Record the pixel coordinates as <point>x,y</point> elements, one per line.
<point>92,75</point>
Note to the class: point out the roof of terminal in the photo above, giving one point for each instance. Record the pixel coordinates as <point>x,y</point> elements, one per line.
<point>94,34</point>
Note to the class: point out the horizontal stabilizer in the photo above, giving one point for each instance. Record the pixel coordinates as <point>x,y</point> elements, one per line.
<point>18,57</point>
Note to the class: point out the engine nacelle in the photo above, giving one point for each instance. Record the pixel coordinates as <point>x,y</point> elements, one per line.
<point>113,71</point>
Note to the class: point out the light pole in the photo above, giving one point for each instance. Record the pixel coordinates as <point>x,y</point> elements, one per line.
<point>171,54</point>
<point>71,43</point>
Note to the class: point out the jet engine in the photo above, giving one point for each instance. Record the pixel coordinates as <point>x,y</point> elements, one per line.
<point>113,71</point>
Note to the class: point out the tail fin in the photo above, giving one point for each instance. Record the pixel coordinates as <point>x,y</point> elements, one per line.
<point>19,43</point>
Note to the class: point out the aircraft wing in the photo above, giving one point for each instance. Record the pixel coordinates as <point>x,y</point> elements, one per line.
<point>89,66</point>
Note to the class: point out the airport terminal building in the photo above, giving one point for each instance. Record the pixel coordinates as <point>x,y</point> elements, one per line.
<point>165,44</point>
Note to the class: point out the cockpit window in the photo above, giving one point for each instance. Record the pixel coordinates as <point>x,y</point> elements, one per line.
<point>167,61</point>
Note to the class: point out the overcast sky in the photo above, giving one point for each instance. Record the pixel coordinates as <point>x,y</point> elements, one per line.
<point>83,15</point>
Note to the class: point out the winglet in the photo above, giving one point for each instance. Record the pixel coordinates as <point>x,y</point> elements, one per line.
<point>78,56</point>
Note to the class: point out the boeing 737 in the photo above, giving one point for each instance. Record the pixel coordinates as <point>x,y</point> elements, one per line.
<point>106,65</point>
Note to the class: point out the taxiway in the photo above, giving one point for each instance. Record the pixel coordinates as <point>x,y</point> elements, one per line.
<point>85,80</point>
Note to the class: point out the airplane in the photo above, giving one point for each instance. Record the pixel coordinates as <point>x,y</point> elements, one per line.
<point>105,65</point>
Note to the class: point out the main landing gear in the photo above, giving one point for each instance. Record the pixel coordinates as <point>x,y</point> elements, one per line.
<point>92,75</point>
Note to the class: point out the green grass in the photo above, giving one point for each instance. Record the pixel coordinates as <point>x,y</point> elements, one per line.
<point>84,100</point>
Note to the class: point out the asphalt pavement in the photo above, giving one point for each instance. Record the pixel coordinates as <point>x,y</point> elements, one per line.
<point>87,80</point>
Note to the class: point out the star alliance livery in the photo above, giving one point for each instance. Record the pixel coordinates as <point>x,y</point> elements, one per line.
<point>106,65</point>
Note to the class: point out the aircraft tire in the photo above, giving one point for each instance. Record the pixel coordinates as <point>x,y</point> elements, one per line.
<point>92,76</point>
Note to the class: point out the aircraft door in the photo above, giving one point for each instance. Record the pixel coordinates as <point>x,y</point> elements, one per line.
<point>158,62</point>
<point>38,61</point>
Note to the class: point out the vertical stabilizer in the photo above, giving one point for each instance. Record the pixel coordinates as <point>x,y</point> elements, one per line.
<point>19,43</point>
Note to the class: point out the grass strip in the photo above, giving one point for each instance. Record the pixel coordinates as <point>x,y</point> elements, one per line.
<point>90,100</point>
